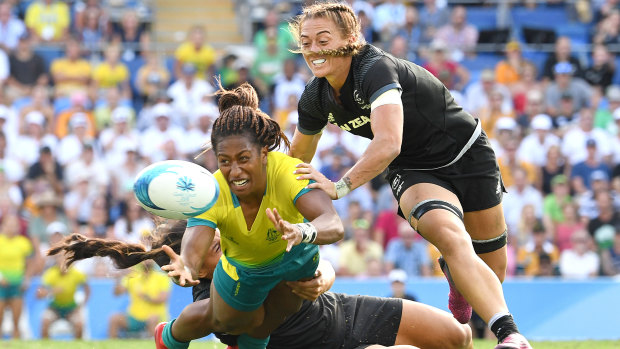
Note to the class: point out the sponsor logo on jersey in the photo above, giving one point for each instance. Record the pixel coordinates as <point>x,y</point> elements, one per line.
<point>397,184</point>
<point>353,124</point>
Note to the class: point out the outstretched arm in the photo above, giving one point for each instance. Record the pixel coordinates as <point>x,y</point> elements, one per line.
<point>387,126</point>
<point>189,266</point>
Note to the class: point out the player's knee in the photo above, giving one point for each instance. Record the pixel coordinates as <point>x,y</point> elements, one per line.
<point>453,240</point>
<point>236,324</point>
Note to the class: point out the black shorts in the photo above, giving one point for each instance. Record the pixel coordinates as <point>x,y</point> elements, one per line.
<point>475,178</point>
<point>371,320</point>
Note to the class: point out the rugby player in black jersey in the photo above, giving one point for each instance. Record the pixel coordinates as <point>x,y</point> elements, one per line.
<point>440,165</point>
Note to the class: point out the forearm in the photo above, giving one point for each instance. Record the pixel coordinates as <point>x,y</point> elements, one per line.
<point>195,247</point>
<point>376,158</point>
<point>329,229</point>
<point>303,147</point>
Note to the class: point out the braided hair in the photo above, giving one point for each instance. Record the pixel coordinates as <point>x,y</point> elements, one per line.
<point>339,13</point>
<point>240,115</point>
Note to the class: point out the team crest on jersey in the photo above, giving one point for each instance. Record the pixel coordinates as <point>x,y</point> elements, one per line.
<point>273,235</point>
<point>359,100</point>
<point>397,184</point>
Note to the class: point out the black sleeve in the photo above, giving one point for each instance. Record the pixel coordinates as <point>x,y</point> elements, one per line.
<point>59,171</point>
<point>39,67</point>
<point>380,77</point>
<point>548,68</point>
<point>12,66</point>
<point>311,119</point>
<point>34,171</point>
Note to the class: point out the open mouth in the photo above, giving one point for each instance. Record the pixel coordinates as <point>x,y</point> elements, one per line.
<point>318,61</point>
<point>240,183</point>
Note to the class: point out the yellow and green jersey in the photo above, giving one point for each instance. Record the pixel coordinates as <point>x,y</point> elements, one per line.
<point>67,283</point>
<point>262,244</point>
<point>151,284</point>
<point>13,253</point>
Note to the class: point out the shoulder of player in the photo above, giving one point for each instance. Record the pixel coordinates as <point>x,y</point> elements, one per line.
<point>282,164</point>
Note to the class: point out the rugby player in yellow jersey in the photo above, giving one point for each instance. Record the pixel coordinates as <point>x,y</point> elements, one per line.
<point>61,284</point>
<point>270,226</point>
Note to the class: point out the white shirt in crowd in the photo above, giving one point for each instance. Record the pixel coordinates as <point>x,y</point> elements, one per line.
<point>185,99</point>
<point>574,144</point>
<point>514,201</point>
<point>152,140</point>
<point>575,266</point>
<point>533,151</point>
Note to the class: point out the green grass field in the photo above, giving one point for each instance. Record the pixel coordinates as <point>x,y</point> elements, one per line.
<point>143,344</point>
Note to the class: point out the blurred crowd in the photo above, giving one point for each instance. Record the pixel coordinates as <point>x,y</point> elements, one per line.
<point>87,101</point>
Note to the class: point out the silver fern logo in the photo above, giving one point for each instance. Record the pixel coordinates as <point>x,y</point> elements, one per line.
<point>185,184</point>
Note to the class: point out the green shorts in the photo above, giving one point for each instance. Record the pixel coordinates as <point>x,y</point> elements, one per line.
<point>10,291</point>
<point>245,288</point>
<point>135,325</point>
<point>63,312</point>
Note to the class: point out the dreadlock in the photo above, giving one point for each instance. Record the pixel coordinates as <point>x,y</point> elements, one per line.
<point>339,13</point>
<point>124,255</point>
<point>240,115</point>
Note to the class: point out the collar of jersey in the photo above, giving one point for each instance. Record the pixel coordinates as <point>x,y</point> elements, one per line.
<point>235,199</point>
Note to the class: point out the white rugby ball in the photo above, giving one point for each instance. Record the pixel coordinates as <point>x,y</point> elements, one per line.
<point>176,189</point>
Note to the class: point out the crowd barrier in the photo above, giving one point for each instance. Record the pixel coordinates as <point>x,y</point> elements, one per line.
<point>545,309</point>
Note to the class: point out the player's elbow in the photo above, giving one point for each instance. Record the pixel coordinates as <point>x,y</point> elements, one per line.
<point>338,228</point>
<point>390,147</point>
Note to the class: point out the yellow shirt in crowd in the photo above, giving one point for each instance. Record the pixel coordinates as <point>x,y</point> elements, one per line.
<point>151,284</point>
<point>78,69</point>
<point>67,283</point>
<point>13,253</point>
<point>107,76</point>
<point>202,58</point>
<point>49,22</point>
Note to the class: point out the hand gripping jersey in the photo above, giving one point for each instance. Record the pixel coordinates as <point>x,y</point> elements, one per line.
<point>436,131</point>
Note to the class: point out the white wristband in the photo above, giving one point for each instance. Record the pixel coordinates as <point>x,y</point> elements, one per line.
<point>342,188</point>
<point>308,232</point>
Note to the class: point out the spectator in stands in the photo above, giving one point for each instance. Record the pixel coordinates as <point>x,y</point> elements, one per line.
<point>413,33</point>
<point>506,130</point>
<point>367,28</point>
<point>553,204</point>
<point>525,227</point>
<point>78,200</point>
<point>588,206</point>
<point>134,225</point>
<point>11,27</point>
<point>566,84</point>
<point>600,74</point>
<point>267,65</point>
<point>60,284</point>
<point>148,291</point>
<point>81,105</point>
<point>115,139</point>
<point>453,75</point>
<point>151,77</point>
<point>129,34</point>
<point>98,224</point>
<point>12,169</point>
<point>432,17</point>
<point>27,69</point>
<point>527,92</point>
<point>608,29</point>
<point>616,143</point>
<point>605,117</point>
<point>162,130</point>
<point>71,146</point>
<point>386,224</point>
<point>579,262</point>
<point>39,102</point>
<point>561,53</point>
<point>478,92</point>
<point>601,227</point>
<point>274,31</point>
<point>389,17</point>
<point>528,258</point>
<point>187,93</point>
<point>358,253</point>
<point>509,162</point>
<point>94,30</point>
<point>510,70</point>
<point>289,82</point>
<point>519,195</point>
<point>200,133</point>
<point>71,73</point>
<point>534,147</point>
<point>195,51</point>
<point>123,174</point>
<point>88,166</point>
<point>565,229</point>
<point>26,147</point>
<point>462,36</point>
<point>111,73</point>
<point>574,142</point>
<point>15,251</point>
<point>582,172</point>
<point>610,257</point>
<point>112,100</point>
<point>49,209</point>
<point>490,113</point>
<point>407,252</point>
<point>398,47</point>
<point>398,278</point>
<point>48,20</point>
<point>5,69</point>
<point>47,170</point>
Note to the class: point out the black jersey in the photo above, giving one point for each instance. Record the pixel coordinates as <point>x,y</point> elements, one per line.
<point>436,130</point>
